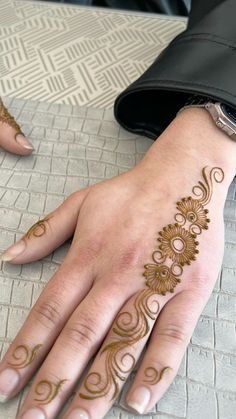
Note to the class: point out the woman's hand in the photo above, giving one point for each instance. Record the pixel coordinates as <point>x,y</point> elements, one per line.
<point>103,300</point>
<point>11,137</point>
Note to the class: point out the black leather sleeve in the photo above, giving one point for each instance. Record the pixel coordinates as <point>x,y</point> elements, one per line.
<point>202,59</point>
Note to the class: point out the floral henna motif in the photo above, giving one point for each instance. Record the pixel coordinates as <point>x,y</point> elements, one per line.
<point>7,118</point>
<point>178,244</point>
<point>47,391</point>
<point>160,278</point>
<point>23,356</point>
<point>38,229</point>
<point>177,248</point>
<point>154,376</point>
<point>191,210</point>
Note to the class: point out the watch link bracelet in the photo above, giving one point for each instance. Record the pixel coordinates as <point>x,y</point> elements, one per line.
<point>223,115</point>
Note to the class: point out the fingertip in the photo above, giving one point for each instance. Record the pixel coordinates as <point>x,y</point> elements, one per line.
<point>14,142</point>
<point>12,138</point>
<point>148,387</point>
<point>10,254</point>
<point>24,142</point>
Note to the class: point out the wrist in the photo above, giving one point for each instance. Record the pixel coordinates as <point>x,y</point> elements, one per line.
<point>194,140</point>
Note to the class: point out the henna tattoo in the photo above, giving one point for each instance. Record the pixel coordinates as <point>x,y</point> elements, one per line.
<point>7,118</point>
<point>47,391</point>
<point>177,248</point>
<point>23,356</point>
<point>154,376</point>
<point>38,229</point>
<point>178,244</point>
<point>131,328</point>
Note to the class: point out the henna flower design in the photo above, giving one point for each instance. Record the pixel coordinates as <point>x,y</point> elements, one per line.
<point>178,247</point>
<point>160,278</point>
<point>194,212</point>
<point>178,244</point>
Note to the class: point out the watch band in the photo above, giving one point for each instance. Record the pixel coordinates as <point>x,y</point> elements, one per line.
<point>196,101</point>
<point>218,111</point>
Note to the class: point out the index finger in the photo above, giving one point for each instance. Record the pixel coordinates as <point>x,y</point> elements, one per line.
<point>12,138</point>
<point>51,311</point>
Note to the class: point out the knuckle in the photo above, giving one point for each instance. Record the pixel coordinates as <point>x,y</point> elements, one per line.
<point>174,334</point>
<point>75,197</point>
<point>129,257</point>
<point>47,313</point>
<point>89,249</point>
<point>80,334</point>
<point>200,283</point>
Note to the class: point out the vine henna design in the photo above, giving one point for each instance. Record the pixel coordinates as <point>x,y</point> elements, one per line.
<point>38,229</point>
<point>154,376</point>
<point>47,391</point>
<point>130,334</point>
<point>23,356</point>
<point>177,248</point>
<point>8,119</point>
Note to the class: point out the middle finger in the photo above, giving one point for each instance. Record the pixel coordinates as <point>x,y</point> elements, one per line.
<point>118,355</point>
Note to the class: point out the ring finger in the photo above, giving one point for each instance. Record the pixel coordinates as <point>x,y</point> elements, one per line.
<point>166,347</point>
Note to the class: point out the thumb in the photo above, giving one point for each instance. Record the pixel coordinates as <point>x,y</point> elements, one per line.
<point>47,234</point>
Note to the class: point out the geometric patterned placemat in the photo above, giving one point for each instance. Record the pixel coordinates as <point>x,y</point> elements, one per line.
<point>77,146</point>
<point>76,55</point>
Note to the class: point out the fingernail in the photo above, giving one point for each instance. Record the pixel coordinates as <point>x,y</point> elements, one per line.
<point>9,379</point>
<point>13,251</point>
<point>78,414</point>
<point>34,413</point>
<point>139,399</point>
<point>23,141</point>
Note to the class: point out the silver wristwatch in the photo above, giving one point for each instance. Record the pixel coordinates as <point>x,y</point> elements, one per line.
<point>223,115</point>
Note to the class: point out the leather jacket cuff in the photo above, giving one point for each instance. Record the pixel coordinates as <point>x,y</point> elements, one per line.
<point>201,60</point>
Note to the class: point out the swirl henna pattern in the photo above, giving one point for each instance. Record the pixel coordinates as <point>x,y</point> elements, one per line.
<point>38,229</point>
<point>131,332</point>
<point>7,118</point>
<point>177,248</point>
<point>47,391</point>
<point>23,356</point>
<point>154,376</point>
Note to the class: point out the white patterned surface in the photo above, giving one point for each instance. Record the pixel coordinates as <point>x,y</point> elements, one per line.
<point>76,54</point>
<point>75,147</point>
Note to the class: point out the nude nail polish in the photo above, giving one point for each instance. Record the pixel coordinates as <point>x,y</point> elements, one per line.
<point>9,379</point>
<point>78,414</point>
<point>139,399</point>
<point>13,251</point>
<point>23,141</point>
<point>34,413</point>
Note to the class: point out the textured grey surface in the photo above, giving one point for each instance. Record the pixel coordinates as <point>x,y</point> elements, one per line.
<point>75,147</point>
